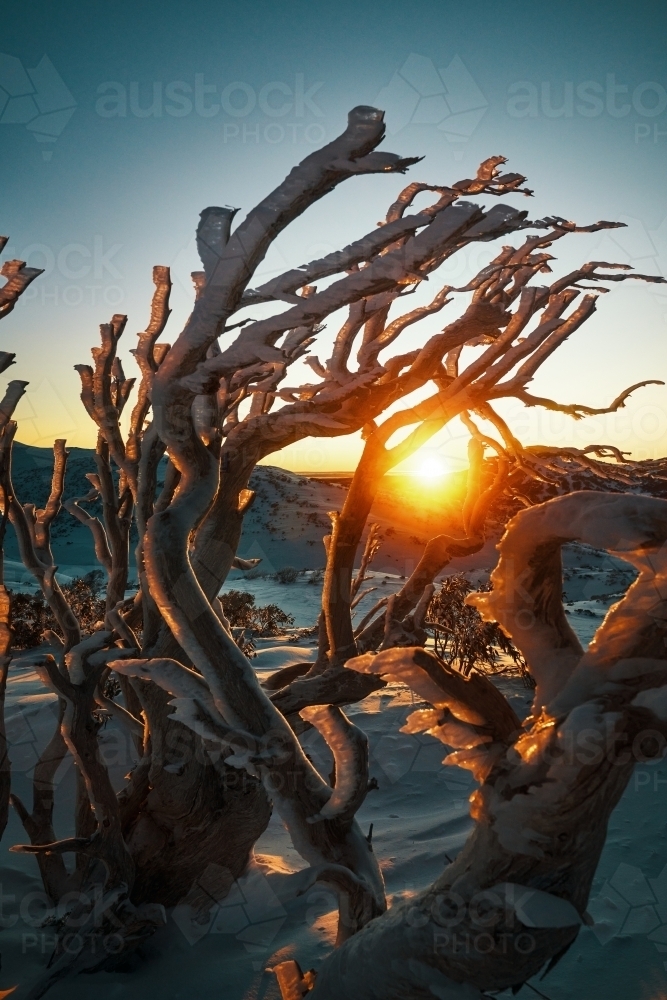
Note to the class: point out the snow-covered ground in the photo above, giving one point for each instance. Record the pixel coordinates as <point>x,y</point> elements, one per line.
<point>420,817</point>
<point>419,813</point>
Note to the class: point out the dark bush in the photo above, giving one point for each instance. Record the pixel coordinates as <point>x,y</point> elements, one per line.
<point>288,574</point>
<point>249,621</point>
<point>462,638</point>
<point>31,615</point>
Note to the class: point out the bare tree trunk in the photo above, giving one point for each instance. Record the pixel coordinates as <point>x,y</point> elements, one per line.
<point>32,529</point>
<point>195,810</point>
<point>117,512</point>
<point>38,824</point>
<point>347,531</point>
<point>219,534</point>
<point>299,790</point>
<point>515,896</point>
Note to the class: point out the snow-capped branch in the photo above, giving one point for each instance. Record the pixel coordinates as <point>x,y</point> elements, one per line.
<point>543,805</point>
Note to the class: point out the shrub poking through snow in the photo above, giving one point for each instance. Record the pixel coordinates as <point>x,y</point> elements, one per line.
<point>462,638</point>
<point>31,615</point>
<point>248,621</point>
<point>241,611</point>
<point>288,574</point>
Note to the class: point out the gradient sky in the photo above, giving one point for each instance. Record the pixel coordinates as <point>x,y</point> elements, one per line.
<point>115,193</point>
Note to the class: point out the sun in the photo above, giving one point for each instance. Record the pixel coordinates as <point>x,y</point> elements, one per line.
<point>431,468</point>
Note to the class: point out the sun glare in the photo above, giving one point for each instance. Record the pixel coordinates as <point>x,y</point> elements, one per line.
<point>431,468</point>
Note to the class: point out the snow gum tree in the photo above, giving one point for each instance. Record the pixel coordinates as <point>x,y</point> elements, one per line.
<point>216,751</point>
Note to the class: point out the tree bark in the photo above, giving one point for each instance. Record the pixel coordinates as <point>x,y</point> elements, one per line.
<point>515,896</point>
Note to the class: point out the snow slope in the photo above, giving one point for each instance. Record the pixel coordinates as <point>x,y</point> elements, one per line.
<point>419,814</point>
<point>284,526</point>
<point>419,810</point>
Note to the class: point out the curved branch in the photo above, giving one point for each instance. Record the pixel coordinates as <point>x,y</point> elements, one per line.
<point>349,154</point>
<point>94,525</point>
<point>527,603</point>
<point>18,278</point>
<point>473,700</point>
<point>39,561</point>
<point>576,410</point>
<point>349,746</point>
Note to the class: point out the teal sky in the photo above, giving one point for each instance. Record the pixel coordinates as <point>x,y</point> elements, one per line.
<point>138,119</point>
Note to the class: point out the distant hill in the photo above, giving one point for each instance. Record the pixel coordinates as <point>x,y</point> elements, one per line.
<point>284,527</point>
<point>289,517</point>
